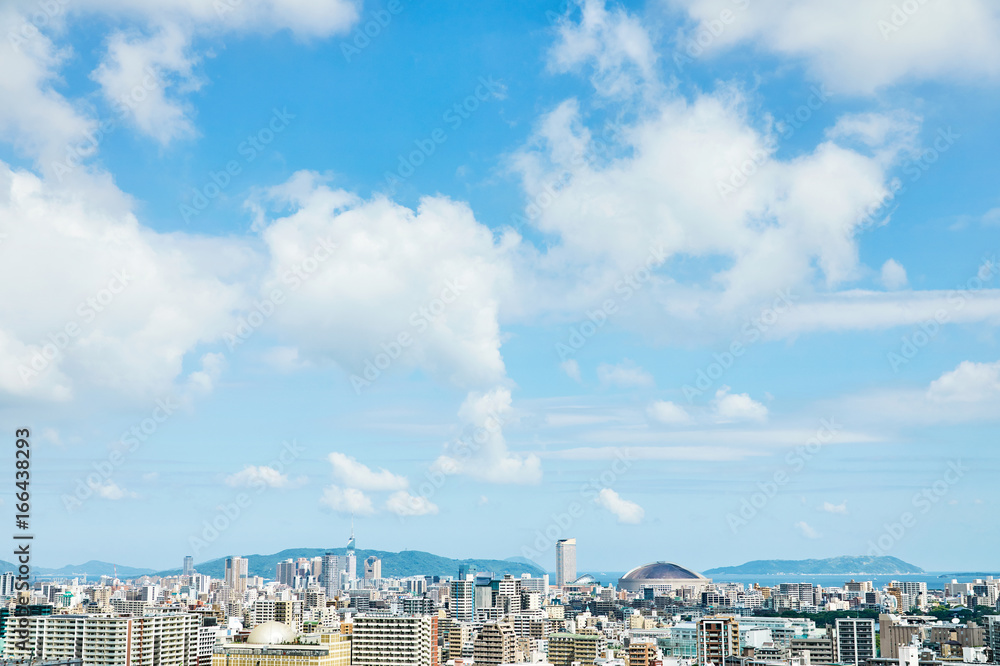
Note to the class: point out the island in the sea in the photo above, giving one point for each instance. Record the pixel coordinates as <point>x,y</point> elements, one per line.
<point>845,565</point>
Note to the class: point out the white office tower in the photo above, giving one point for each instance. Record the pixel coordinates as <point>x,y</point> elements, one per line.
<point>285,573</point>
<point>236,574</point>
<point>188,566</point>
<point>855,640</point>
<point>462,606</point>
<point>7,584</point>
<point>565,562</point>
<point>330,576</point>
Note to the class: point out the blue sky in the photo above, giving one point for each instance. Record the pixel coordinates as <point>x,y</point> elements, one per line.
<point>696,280</point>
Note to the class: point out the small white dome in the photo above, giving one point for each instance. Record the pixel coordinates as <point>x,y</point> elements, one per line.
<point>271,633</point>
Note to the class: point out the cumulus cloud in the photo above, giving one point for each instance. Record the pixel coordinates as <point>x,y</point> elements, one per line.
<point>110,490</point>
<point>807,530</point>
<point>403,503</point>
<point>612,42</point>
<point>830,507</point>
<point>421,287</point>
<point>861,46</point>
<point>572,370</point>
<point>893,275</point>
<point>668,413</point>
<point>347,501</point>
<point>626,374</point>
<point>482,453</point>
<point>736,407</point>
<point>138,74</point>
<point>253,476</point>
<point>349,472</point>
<point>626,511</point>
<point>970,382</point>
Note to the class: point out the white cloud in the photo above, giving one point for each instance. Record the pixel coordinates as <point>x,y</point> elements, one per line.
<point>431,278</point>
<point>347,501</point>
<point>613,43</point>
<point>204,380</point>
<point>669,413</point>
<point>137,75</point>
<point>263,476</point>
<point>893,275</point>
<point>110,490</point>
<point>572,370</point>
<point>807,530</point>
<point>482,453</point>
<point>626,511</point>
<point>860,46</point>
<point>403,503</point>
<point>968,383</point>
<point>735,407</point>
<point>624,375</point>
<point>349,472</point>
<point>830,507</point>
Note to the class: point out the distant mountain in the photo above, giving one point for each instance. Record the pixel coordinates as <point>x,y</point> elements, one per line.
<point>405,563</point>
<point>94,568</point>
<point>832,565</point>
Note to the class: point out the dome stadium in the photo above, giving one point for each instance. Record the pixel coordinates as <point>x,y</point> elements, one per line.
<point>271,633</point>
<point>661,573</point>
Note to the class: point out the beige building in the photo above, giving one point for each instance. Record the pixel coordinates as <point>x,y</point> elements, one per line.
<point>395,640</point>
<point>496,644</point>
<point>277,644</point>
<point>564,649</point>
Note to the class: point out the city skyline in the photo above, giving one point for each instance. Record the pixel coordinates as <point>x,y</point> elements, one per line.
<point>674,278</point>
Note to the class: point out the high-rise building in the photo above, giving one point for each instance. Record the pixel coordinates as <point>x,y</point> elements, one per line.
<point>373,568</point>
<point>330,576</point>
<point>237,569</point>
<point>188,566</point>
<point>718,638</point>
<point>641,652</point>
<point>7,584</point>
<point>565,561</point>
<point>496,644</point>
<point>411,640</point>
<point>855,640</point>
<point>462,605</point>
<point>285,573</point>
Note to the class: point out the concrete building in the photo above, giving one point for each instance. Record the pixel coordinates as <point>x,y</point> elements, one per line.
<point>373,568</point>
<point>330,576</point>
<point>641,653</point>
<point>395,640</point>
<point>855,640</point>
<point>167,639</point>
<point>565,649</point>
<point>496,644</point>
<point>188,566</point>
<point>271,644</point>
<point>565,562</point>
<point>718,638</point>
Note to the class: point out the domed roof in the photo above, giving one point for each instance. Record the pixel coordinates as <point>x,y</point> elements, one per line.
<point>271,633</point>
<point>585,579</point>
<point>662,571</point>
